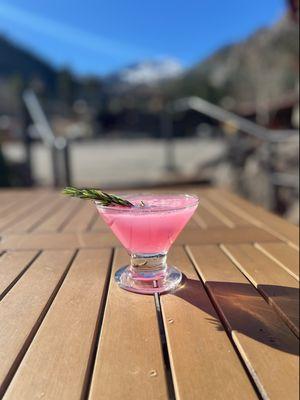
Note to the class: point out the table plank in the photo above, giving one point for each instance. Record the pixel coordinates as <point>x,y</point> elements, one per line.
<point>64,240</point>
<point>23,308</point>
<point>60,352</point>
<point>258,216</point>
<point>206,219</point>
<point>267,346</point>
<point>279,288</point>
<point>224,235</point>
<point>9,204</point>
<point>196,339</point>
<point>57,219</point>
<point>12,265</point>
<point>22,210</point>
<point>82,219</point>
<point>9,200</point>
<point>129,362</point>
<point>98,225</point>
<point>217,202</point>
<point>59,241</point>
<point>28,222</point>
<point>284,255</point>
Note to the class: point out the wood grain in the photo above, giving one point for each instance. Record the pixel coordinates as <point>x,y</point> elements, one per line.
<point>22,211</point>
<point>284,255</point>
<point>279,288</point>
<point>56,220</point>
<point>98,225</point>
<point>82,219</point>
<point>267,346</point>
<point>64,240</point>
<point>22,308</point>
<point>12,264</point>
<point>59,340</point>
<point>207,219</point>
<point>28,222</point>
<point>218,203</point>
<point>60,352</point>
<point>258,216</point>
<point>129,362</point>
<point>203,359</point>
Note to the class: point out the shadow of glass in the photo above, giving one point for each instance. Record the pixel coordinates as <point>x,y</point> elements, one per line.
<point>244,310</point>
<point>194,293</point>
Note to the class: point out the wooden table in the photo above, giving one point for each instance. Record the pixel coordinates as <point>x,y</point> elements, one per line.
<point>68,332</point>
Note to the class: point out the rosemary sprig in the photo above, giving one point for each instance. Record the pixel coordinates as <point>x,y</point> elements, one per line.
<point>95,194</point>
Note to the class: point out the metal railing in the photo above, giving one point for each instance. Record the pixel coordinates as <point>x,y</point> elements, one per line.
<point>265,135</point>
<point>242,124</point>
<point>58,146</point>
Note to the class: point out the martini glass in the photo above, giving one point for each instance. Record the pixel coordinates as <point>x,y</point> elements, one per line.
<point>147,231</point>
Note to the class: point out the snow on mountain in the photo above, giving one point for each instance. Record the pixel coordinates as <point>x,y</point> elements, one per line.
<point>147,72</point>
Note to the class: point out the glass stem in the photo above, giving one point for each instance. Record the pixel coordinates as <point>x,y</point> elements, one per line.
<point>148,266</point>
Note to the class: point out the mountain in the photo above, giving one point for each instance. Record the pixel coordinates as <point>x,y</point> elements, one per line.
<point>18,62</point>
<point>260,68</point>
<point>148,73</point>
<point>21,68</point>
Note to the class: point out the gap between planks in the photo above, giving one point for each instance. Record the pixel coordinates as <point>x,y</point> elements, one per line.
<point>194,333</point>
<point>18,357</point>
<point>267,346</point>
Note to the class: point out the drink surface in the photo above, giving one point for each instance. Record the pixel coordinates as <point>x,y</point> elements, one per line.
<point>153,224</point>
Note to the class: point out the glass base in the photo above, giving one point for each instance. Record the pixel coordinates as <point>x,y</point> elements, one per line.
<point>168,281</point>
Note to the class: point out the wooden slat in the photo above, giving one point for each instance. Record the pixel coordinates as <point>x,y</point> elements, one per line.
<point>213,215</point>
<point>206,219</point>
<point>98,225</point>
<point>59,241</point>
<point>260,217</point>
<point>9,199</point>
<point>22,211</point>
<point>60,352</point>
<point>193,223</point>
<point>218,203</point>
<point>105,239</point>
<point>129,362</point>
<point>203,360</point>
<point>28,222</point>
<point>224,235</point>
<point>8,206</point>
<point>82,219</point>
<point>59,217</point>
<point>267,346</point>
<point>12,264</point>
<point>284,255</point>
<point>22,308</point>
<point>280,288</point>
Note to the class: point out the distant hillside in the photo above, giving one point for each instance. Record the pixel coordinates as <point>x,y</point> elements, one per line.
<point>18,62</point>
<point>261,68</point>
<point>147,73</point>
<point>21,68</point>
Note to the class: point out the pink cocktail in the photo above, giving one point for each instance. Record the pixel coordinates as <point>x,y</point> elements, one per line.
<point>147,231</point>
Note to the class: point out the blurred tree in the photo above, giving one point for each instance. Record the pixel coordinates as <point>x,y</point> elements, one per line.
<point>66,86</point>
<point>90,90</point>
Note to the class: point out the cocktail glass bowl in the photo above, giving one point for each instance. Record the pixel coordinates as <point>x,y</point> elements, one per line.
<point>147,231</point>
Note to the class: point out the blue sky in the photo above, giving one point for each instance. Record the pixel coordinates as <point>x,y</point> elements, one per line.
<point>97,36</point>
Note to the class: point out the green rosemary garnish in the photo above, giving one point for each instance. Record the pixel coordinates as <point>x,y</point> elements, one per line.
<point>95,194</point>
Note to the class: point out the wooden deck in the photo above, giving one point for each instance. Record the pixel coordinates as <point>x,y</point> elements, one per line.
<point>68,332</point>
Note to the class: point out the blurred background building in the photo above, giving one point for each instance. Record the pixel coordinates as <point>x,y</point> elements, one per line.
<point>134,118</point>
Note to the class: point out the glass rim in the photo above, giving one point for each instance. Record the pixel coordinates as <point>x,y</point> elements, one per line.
<point>142,210</point>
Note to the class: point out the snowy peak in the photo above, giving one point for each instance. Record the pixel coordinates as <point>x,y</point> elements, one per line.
<point>148,72</point>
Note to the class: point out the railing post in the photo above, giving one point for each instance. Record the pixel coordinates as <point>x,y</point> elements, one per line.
<point>61,163</point>
<point>27,141</point>
<point>167,132</point>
